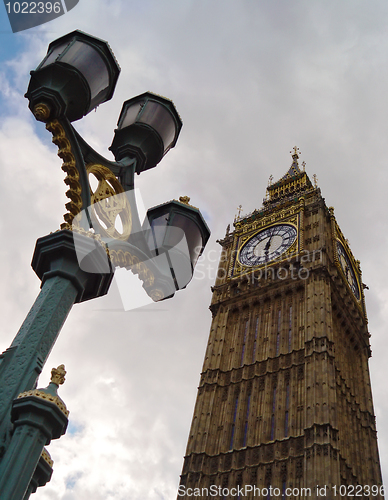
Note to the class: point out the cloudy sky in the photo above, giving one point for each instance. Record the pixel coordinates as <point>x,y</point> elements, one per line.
<point>251,79</point>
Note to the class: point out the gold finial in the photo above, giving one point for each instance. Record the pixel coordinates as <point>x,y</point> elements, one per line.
<point>304,165</point>
<point>295,153</point>
<point>184,199</point>
<point>58,375</point>
<point>270,180</point>
<point>315,180</point>
<point>239,208</point>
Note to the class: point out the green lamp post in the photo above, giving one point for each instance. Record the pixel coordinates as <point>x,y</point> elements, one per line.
<point>101,231</point>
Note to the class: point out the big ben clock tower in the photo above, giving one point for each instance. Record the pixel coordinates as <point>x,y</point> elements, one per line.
<point>284,406</point>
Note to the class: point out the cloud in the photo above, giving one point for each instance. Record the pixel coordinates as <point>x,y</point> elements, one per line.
<point>250,80</point>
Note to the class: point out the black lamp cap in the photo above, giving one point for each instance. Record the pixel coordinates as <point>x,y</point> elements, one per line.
<point>101,45</point>
<point>191,212</point>
<point>151,96</point>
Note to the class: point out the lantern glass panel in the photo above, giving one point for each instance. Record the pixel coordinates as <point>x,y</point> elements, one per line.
<point>131,114</point>
<point>192,233</point>
<point>55,53</point>
<point>90,63</point>
<point>158,232</point>
<point>158,117</point>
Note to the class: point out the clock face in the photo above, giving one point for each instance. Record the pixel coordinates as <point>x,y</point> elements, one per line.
<point>268,244</point>
<point>348,270</point>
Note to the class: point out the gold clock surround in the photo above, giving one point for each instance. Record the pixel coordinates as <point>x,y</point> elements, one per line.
<point>338,236</point>
<point>249,232</point>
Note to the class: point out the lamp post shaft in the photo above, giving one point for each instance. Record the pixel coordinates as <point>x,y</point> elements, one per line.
<point>22,363</point>
<point>22,457</point>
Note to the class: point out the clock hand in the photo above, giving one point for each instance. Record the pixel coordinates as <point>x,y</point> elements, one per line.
<point>267,246</point>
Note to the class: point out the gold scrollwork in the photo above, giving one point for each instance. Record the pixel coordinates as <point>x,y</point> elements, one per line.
<point>74,206</point>
<point>41,112</point>
<point>156,295</point>
<point>126,259</point>
<point>109,203</point>
<point>88,234</point>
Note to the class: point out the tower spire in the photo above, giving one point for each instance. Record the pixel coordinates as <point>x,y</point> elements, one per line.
<point>294,169</point>
<point>294,182</point>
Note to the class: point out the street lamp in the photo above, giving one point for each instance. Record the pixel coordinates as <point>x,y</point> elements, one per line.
<point>78,73</point>
<point>147,129</point>
<point>101,231</point>
<point>178,233</point>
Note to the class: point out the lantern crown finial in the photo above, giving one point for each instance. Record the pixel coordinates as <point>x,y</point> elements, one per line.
<point>184,199</point>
